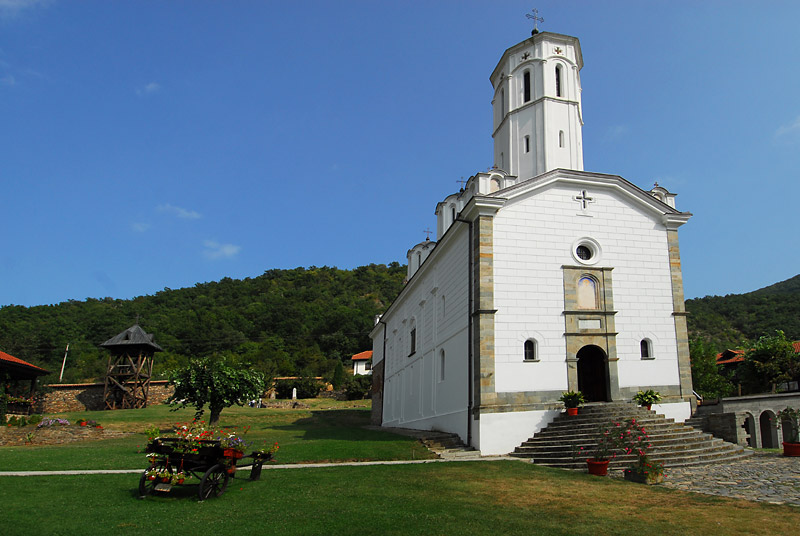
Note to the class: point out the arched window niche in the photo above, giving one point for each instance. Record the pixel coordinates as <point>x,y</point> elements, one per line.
<point>646,349</point>
<point>412,337</point>
<point>530,350</point>
<point>587,292</point>
<point>526,86</point>
<point>558,81</point>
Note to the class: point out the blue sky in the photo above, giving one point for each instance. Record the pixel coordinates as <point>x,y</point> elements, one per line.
<point>146,145</point>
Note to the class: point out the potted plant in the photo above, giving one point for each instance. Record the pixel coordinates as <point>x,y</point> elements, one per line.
<point>647,398</point>
<point>791,445</point>
<point>603,451</point>
<point>572,401</point>
<point>645,471</point>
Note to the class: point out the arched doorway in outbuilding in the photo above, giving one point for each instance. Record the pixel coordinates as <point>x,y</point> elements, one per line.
<point>769,430</point>
<point>593,373</point>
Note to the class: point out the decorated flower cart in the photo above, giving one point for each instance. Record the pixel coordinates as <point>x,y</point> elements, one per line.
<point>190,459</point>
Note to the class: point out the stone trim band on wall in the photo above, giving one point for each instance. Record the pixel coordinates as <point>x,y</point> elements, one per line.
<point>604,337</point>
<point>679,314</point>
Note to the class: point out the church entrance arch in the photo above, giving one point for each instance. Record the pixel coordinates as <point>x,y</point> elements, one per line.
<point>593,373</point>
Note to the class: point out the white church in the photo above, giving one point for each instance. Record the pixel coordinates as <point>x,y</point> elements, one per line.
<point>543,278</point>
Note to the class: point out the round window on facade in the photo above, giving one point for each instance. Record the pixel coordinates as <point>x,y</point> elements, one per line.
<point>586,251</point>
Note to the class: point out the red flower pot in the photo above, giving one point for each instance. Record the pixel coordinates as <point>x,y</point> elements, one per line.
<point>151,477</point>
<point>791,449</point>
<point>232,453</point>
<point>572,411</point>
<point>83,424</point>
<point>598,467</point>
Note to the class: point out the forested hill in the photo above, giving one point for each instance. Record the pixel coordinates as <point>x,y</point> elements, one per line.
<point>283,322</point>
<point>729,321</point>
<point>300,321</point>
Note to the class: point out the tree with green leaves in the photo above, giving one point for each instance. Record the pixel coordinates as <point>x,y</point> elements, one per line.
<point>771,362</point>
<point>212,381</point>
<point>338,375</point>
<point>708,378</point>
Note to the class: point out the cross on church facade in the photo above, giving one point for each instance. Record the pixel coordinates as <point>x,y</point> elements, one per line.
<point>583,199</point>
<point>427,234</point>
<point>462,182</point>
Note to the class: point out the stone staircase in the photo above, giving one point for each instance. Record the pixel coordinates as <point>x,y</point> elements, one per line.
<point>673,444</point>
<point>448,446</point>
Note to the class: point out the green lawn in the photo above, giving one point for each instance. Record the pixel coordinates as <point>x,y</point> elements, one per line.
<point>498,498</point>
<point>487,497</point>
<point>304,435</point>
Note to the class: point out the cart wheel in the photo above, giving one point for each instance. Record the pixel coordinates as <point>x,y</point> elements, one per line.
<point>146,486</point>
<point>213,483</point>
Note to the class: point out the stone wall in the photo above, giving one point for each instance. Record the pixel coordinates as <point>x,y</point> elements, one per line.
<point>54,435</point>
<point>89,396</point>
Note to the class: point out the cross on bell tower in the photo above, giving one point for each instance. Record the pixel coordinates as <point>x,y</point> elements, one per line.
<point>534,15</point>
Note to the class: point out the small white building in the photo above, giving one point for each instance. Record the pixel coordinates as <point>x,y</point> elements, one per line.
<point>544,278</point>
<point>362,363</point>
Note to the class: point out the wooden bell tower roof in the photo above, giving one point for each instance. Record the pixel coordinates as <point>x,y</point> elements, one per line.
<point>133,336</point>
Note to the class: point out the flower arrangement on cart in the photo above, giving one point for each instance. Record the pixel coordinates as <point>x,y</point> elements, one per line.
<point>197,452</point>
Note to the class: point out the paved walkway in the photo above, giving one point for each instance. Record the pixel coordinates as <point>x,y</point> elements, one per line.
<point>765,476</point>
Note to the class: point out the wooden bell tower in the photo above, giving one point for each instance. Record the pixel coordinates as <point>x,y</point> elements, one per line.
<point>129,369</point>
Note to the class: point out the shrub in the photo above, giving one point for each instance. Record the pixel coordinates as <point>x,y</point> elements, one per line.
<point>358,387</point>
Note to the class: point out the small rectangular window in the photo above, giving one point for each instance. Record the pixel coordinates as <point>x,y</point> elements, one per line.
<point>527,144</point>
<point>441,366</point>
<point>413,341</point>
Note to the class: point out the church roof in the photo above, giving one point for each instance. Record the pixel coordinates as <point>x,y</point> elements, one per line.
<point>591,179</point>
<point>133,336</point>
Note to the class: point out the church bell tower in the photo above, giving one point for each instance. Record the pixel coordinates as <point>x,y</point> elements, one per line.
<point>538,123</point>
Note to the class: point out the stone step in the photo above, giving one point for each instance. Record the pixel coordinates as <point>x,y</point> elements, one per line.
<point>673,444</point>
<point>657,445</point>
<point>682,461</point>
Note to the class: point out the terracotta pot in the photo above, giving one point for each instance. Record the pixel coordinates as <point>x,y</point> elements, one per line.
<point>598,467</point>
<point>791,449</point>
<point>572,411</point>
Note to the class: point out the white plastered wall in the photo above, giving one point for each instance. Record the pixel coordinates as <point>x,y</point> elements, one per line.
<point>436,300</point>
<point>533,239</point>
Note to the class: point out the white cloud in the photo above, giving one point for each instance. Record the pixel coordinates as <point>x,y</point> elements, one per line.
<point>140,227</point>
<point>215,250</point>
<point>179,212</point>
<point>787,130</point>
<point>8,80</point>
<point>149,89</point>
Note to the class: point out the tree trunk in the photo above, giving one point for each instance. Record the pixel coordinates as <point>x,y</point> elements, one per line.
<point>214,417</point>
